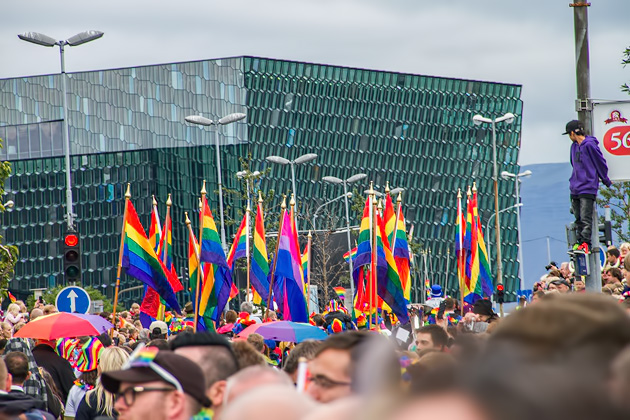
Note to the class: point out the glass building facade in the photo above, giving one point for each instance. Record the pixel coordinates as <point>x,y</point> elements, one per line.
<point>127,125</point>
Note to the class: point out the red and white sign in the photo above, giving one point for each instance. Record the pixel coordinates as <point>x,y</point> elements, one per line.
<point>612,129</point>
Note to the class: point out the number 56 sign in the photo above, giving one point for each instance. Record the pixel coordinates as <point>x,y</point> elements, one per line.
<point>612,129</point>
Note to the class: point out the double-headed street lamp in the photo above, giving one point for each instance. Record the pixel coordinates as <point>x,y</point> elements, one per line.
<point>345,182</point>
<point>248,176</point>
<point>73,41</point>
<point>228,119</point>
<point>517,178</point>
<point>298,161</point>
<point>348,195</point>
<point>478,120</point>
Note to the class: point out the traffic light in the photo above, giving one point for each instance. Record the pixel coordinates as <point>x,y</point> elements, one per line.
<point>500,293</point>
<point>71,257</point>
<point>605,233</point>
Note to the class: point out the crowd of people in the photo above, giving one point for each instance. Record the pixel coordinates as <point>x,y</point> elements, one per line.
<point>564,354</point>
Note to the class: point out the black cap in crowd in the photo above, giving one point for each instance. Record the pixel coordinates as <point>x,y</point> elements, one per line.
<point>573,125</point>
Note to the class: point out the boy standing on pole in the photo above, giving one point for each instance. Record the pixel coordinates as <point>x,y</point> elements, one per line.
<point>589,166</point>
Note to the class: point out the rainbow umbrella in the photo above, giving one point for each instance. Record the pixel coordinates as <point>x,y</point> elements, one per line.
<point>62,325</point>
<point>294,332</point>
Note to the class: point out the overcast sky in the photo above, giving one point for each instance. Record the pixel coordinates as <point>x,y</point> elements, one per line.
<point>529,43</point>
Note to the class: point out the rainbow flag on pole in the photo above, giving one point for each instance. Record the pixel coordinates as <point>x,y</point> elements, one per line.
<point>349,254</point>
<point>260,261</point>
<point>141,262</point>
<point>239,246</point>
<point>400,249</point>
<point>389,216</point>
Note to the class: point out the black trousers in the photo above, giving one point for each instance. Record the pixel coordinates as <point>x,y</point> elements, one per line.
<point>582,206</point>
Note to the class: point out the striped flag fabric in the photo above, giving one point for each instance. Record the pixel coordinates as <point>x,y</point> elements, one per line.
<point>296,248</point>
<point>389,216</point>
<point>483,288</point>
<point>155,230</point>
<point>260,261</point>
<point>305,257</point>
<point>341,292</point>
<point>141,262</point>
<point>460,229</point>
<point>363,253</point>
<point>151,301</point>
<point>211,248</point>
<point>239,246</point>
<point>350,254</point>
<point>401,254</point>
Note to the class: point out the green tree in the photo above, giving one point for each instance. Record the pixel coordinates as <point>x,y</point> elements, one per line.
<point>617,196</point>
<point>8,253</point>
<point>50,295</point>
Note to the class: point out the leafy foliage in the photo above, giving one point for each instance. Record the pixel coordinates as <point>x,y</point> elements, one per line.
<point>50,295</point>
<point>625,61</point>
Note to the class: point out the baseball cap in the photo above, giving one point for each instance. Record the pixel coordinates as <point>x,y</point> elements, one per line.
<point>147,364</point>
<point>159,324</point>
<point>572,126</point>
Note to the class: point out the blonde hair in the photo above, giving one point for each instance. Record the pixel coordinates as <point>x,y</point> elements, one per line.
<point>13,309</point>
<point>112,358</point>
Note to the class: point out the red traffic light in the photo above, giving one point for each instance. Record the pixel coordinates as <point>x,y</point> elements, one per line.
<point>499,287</point>
<point>71,239</point>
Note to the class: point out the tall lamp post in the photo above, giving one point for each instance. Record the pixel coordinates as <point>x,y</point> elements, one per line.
<point>517,178</point>
<point>73,41</point>
<point>298,161</point>
<point>346,196</point>
<point>345,182</point>
<point>488,226</point>
<point>228,119</point>
<point>478,120</point>
<point>248,176</point>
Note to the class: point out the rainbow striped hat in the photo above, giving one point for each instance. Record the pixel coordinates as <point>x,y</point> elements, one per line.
<point>65,347</point>
<point>90,353</point>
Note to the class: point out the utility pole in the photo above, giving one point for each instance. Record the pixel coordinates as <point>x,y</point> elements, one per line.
<point>584,108</point>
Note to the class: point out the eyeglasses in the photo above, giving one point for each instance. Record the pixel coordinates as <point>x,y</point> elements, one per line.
<point>327,383</point>
<point>129,394</point>
<point>143,357</point>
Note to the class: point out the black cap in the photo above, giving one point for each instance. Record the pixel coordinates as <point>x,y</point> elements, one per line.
<point>551,263</point>
<point>483,307</point>
<point>184,370</point>
<point>572,126</point>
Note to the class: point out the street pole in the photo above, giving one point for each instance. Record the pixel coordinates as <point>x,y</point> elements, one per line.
<point>548,250</point>
<point>497,225</point>
<point>345,195</point>
<point>520,241</point>
<point>216,142</point>
<point>294,194</point>
<point>66,139</point>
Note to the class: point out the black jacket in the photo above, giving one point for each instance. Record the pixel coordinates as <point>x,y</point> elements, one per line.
<point>17,403</point>
<point>58,367</point>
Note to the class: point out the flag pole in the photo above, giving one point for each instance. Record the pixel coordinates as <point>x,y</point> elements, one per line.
<point>164,239</point>
<point>275,258</point>
<point>460,259</point>
<point>379,213</point>
<point>448,266</point>
<point>308,271</point>
<point>247,253</point>
<point>399,201</point>
<point>371,196</point>
<point>121,250</point>
<point>199,268</point>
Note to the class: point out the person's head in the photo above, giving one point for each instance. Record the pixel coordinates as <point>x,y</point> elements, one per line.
<point>247,355</point>
<point>13,309</point>
<point>450,304</point>
<point>247,307</point>
<point>612,255</point>
<point>318,320</point>
<point>537,295</point>
<point>624,249</point>
<point>579,285</point>
<point>50,309</point>
<point>483,308</point>
<point>158,329</point>
<point>231,317</point>
<point>157,385</point>
<point>620,377</point>
<point>257,341</point>
<point>339,364</point>
<point>135,308</point>
<point>561,285</point>
<point>254,377</point>
<point>436,291</point>
<point>36,313</point>
<point>214,354</point>
<point>273,402</point>
<point>575,130</point>
<point>272,316</point>
<point>5,378</point>
<point>614,275</point>
<point>111,359</point>
<point>17,365</point>
<point>431,337</point>
<point>6,330</point>
<point>306,349</point>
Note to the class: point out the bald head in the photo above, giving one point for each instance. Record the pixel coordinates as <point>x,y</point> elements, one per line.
<point>272,402</point>
<point>253,377</point>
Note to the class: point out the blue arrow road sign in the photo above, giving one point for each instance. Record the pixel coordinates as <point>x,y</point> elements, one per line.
<point>73,299</point>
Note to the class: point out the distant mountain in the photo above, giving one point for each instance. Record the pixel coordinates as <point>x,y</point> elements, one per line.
<point>545,212</point>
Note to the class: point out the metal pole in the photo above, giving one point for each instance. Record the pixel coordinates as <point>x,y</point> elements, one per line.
<point>548,250</point>
<point>582,62</point>
<point>223,242</point>
<point>345,195</point>
<point>520,241</point>
<point>497,225</point>
<point>295,197</point>
<point>248,215</point>
<point>66,139</point>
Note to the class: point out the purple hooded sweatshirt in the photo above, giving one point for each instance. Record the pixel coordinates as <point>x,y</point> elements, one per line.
<point>589,166</point>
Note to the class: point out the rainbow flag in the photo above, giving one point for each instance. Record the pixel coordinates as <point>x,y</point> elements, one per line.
<point>155,230</point>
<point>389,216</point>
<point>341,292</point>
<point>151,303</point>
<point>239,246</point>
<point>460,252</point>
<point>217,283</point>
<point>140,260</point>
<point>11,297</point>
<point>305,258</point>
<point>483,288</point>
<point>260,262</point>
<point>296,248</point>
<point>470,250</point>
<point>288,274</point>
<point>400,249</point>
<point>389,286</point>
<point>363,253</point>
<point>350,254</point>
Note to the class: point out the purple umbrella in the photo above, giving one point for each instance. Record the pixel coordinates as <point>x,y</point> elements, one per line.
<point>294,332</point>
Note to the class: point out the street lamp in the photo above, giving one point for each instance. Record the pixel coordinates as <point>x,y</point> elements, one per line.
<point>345,182</point>
<point>348,195</point>
<point>488,226</point>
<point>392,193</point>
<point>298,161</point>
<point>478,120</point>
<point>248,176</point>
<point>73,41</point>
<point>517,178</point>
<point>228,119</point>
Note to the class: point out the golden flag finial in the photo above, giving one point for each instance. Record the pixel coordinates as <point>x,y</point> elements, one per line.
<point>284,202</point>
<point>380,204</point>
<point>371,190</point>
<point>128,193</point>
<point>187,219</point>
<point>459,193</point>
<point>203,188</point>
<point>292,202</point>
<point>309,234</point>
<point>260,200</point>
<point>474,190</point>
<point>387,190</point>
<point>154,201</point>
<point>169,202</point>
<point>200,204</point>
<point>249,209</point>
<point>468,193</point>
<point>399,199</point>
